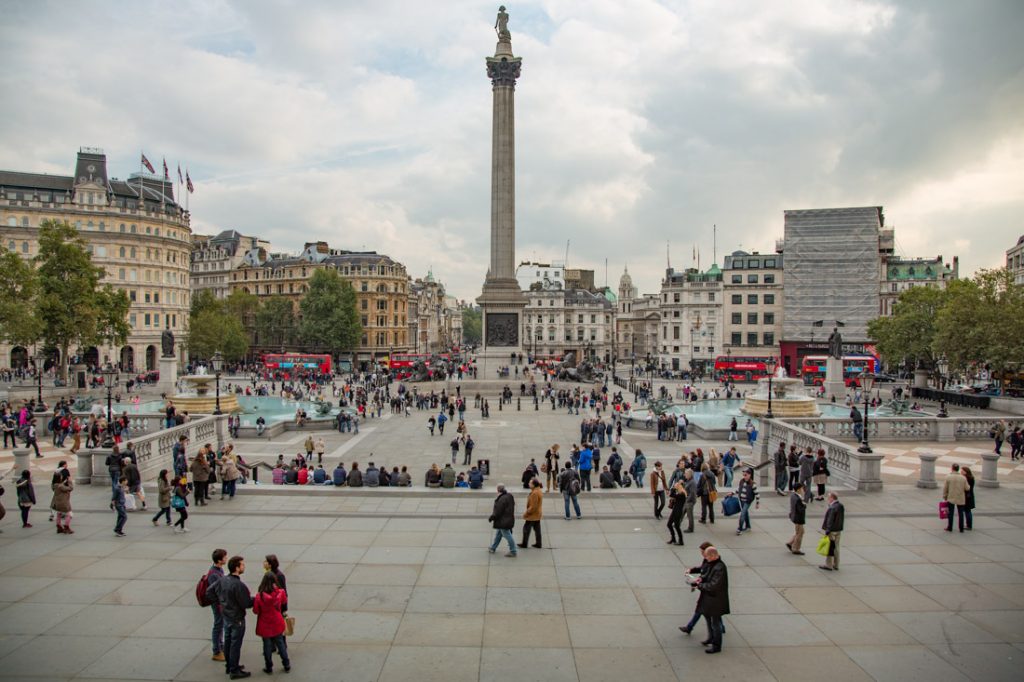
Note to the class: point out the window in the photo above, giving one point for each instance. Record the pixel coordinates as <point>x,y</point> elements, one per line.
<point>737,318</point>
<point>363,304</point>
<point>769,299</point>
<point>12,246</point>
<point>737,279</point>
<point>24,247</point>
<point>769,279</point>
<point>696,349</point>
<point>711,297</point>
<point>132,296</point>
<point>147,318</point>
<point>132,320</point>
<point>754,264</point>
<point>675,298</point>
<point>122,227</point>
<point>148,297</point>
<point>363,286</point>
<point>752,298</point>
<point>132,254</point>
<point>769,338</point>
<point>769,318</point>
<point>751,318</point>
<point>737,339</point>
<point>121,252</point>
<point>675,332</point>
<point>101,251</point>
<point>737,264</point>
<point>593,319</point>
<point>751,338</point>
<point>751,279</point>
<point>769,262</point>
<point>103,225</point>
<point>121,274</point>
<point>133,229</point>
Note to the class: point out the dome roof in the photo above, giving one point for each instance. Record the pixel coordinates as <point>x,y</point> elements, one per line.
<point>625,282</point>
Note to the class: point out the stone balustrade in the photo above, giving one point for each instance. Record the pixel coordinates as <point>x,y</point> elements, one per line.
<point>900,428</point>
<point>849,468</point>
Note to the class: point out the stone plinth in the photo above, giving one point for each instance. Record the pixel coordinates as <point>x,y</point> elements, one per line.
<point>989,470</point>
<point>927,476</point>
<point>168,376</point>
<point>835,385</point>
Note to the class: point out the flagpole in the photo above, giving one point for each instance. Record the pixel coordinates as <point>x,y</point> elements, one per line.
<point>141,154</point>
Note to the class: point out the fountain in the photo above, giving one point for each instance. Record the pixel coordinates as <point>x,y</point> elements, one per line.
<point>201,399</point>
<point>789,399</point>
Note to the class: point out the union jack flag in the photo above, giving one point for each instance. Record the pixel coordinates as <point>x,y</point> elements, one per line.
<point>147,164</point>
<point>188,183</point>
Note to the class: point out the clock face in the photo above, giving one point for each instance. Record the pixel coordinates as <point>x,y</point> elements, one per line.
<point>91,168</point>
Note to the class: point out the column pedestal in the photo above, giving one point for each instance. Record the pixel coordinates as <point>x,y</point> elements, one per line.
<point>927,476</point>
<point>168,376</point>
<point>989,470</point>
<point>834,383</point>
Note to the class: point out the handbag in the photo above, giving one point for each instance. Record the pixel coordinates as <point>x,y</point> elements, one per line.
<point>178,502</point>
<point>712,496</point>
<point>943,510</point>
<point>823,545</point>
<point>289,626</point>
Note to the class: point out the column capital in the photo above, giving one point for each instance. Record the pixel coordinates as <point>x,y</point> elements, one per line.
<point>503,70</point>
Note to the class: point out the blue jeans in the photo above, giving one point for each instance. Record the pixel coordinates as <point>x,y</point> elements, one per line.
<point>728,471</point>
<point>500,533</point>
<point>744,516</point>
<point>575,503</point>
<point>122,518</point>
<point>234,633</point>
<point>715,630</point>
<point>217,635</point>
<point>270,644</point>
<point>695,618</point>
<point>228,488</point>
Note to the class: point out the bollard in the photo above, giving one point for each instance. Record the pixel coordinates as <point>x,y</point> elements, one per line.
<point>21,461</point>
<point>989,470</point>
<point>536,406</point>
<point>83,473</point>
<point>519,404</point>
<point>501,401</point>
<point>927,477</point>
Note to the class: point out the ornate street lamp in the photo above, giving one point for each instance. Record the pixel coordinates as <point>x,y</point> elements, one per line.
<point>866,382</point>
<point>218,365</point>
<point>40,359</point>
<point>770,365</point>
<point>109,376</point>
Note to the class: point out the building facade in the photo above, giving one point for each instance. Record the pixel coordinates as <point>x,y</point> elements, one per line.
<point>214,258</point>
<point>562,320</point>
<point>381,285</point>
<point>637,324</point>
<point>1015,261</point>
<point>691,320</point>
<point>435,320</point>
<point>901,274</point>
<point>753,310</point>
<point>135,231</point>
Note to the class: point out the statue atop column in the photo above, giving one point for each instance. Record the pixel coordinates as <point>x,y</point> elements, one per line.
<point>167,343</point>
<point>835,344</point>
<point>501,25</point>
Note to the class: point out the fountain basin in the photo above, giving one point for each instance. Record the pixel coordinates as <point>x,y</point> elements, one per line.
<point>203,399</point>
<point>788,399</point>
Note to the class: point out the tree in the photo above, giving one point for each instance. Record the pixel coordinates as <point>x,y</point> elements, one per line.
<point>981,323</point>
<point>73,309</point>
<point>909,335</point>
<point>213,330</point>
<point>472,327</point>
<point>19,286</point>
<point>275,322</point>
<point>329,316</point>
<point>203,300</point>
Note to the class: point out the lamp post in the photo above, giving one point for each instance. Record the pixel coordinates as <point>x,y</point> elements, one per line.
<point>218,365</point>
<point>109,374</point>
<point>40,359</point>
<point>770,365</point>
<point>943,367</point>
<point>867,380</point>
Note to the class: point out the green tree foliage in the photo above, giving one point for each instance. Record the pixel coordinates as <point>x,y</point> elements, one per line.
<point>275,323</point>
<point>74,310</point>
<point>981,322</point>
<point>330,320</point>
<point>472,327</point>
<point>19,286</point>
<point>907,338</point>
<point>243,306</point>
<point>203,300</point>
<point>213,330</point>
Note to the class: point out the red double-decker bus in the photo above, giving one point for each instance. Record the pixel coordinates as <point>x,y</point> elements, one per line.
<point>738,368</point>
<point>295,363</point>
<point>812,369</point>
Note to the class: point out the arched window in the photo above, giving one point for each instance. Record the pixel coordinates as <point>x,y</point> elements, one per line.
<point>11,246</point>
<point>122,227</point>
<point>120,253</point>
<point>103,226</point>
<point>133,252</point>
<point>133,228</point>
<point>12,222</point>
<point>89,226</point>
<point>24,247</point>
<point>24,221</point>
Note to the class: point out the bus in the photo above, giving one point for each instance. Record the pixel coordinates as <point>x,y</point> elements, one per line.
<point>738,368</point>
<point>297,362</point>
<point>813,367</point>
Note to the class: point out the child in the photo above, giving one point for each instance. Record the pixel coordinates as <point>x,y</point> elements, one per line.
<point>117,503</point>
<point>270,624</point>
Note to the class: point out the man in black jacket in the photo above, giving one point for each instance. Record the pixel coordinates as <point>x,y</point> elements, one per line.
<point>714,603</point>
<point>503,519</point>
<point>781,477</point>
<point>798,515</point>
<point>235,600</point>
<point>833,527</point>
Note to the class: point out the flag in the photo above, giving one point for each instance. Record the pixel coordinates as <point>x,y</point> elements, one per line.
<point>167,174</point>
<point>188,183</point>
<point>180,179</point>
<point>147,164</point>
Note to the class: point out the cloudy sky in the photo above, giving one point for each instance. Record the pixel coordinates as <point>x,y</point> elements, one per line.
<point>640,124</point>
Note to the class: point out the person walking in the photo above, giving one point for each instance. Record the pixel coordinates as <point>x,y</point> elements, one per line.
<point>61,503</point>
<point>729,461</point>
<point>969,497</point>
<point>707,489</point>
<point>781,477</point>
<point>551,468</point>
<point>455,448</point>
<point>658,488</point>
<point>269,607</point>
<point>213,575</point>
<point>714,603</point>
<point>806,463</point>
<point>676,503</point>
<point>998,433</point>
<point>163,497</point>
<point>586,464</point>
<point>117,503</point>
<point>833,527</point>
<point>820,473</point>
<point>798,515</point>
<point>746,491</point>
<point>954,493</point>
<point>638,467</point>
<point>569,486</point>
<point>690,486</point>
<point>533,515</point>
<point>229,476</point>
<point>733,427</point>
<point>235,600</point>
<point>26,496</point>
<point>503,520</point>
<point>200,468</point>
<point>179,500</point>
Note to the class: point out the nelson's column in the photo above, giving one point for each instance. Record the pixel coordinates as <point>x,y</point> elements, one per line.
<point>502,300</point>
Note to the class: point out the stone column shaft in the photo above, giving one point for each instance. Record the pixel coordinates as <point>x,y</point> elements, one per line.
<point>503,184</point>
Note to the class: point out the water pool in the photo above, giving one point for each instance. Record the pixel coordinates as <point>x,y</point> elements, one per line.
<point>272,408</point>
<point>717,414</point>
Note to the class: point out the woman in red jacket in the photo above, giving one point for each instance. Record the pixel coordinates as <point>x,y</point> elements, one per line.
<point>270,623</point>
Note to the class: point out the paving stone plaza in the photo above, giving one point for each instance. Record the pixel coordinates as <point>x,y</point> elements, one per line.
<point>398,584</point>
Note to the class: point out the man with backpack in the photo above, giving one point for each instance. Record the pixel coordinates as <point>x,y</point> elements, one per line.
<point>586,464</point>
<point>206,595</point>
<point>570,487</point>
<point>615,465</point>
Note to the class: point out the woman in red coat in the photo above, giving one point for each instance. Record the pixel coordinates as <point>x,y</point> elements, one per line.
<point>270,623</point>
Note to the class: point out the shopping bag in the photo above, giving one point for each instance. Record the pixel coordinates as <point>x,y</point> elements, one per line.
<point>730,506</point>
<point>289,626</point>
<point>129,502</point>
<point>823,545</point>
<point>943,510</point>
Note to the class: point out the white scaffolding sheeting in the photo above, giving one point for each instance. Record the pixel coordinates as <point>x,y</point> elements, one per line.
<point>831,271</point>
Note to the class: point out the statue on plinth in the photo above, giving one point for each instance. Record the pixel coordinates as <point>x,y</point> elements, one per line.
<point>501,25</point>
<point>167,343</point>
<point>835,344</point>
